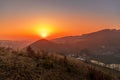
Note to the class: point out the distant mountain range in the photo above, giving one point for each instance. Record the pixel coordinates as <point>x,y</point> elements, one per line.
<point>16,45</point>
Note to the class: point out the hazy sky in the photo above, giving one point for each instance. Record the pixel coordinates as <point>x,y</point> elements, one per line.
<point>20,18</point>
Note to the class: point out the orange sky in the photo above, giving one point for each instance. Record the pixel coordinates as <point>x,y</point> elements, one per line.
<point>27,27</point>
<point>63,18</point>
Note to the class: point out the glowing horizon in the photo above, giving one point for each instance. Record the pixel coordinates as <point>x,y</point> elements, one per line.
<point>51,19</point>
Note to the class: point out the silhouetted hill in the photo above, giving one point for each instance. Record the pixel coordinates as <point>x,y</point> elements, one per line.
<point>104,44</point>
<point>46,45</point>
<point>101,43</point>
<point>50,46</point>
<point>108,38</point>
<point>106,34</point>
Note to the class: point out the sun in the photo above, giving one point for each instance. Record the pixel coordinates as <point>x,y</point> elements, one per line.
<point>44,30</point>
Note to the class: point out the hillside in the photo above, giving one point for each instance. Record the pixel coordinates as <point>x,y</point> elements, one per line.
<point>105,34</point>
<point>44,66</point>
<point>104,44</point>
<point>50,46</point>
<point>46,45</point>
<point>104,40</point>
<point>108,38</point>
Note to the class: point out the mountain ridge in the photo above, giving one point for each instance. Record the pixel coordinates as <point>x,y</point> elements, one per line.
<point>103,42</point>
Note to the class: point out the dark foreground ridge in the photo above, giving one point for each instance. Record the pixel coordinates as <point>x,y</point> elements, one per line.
<point>46,66</point>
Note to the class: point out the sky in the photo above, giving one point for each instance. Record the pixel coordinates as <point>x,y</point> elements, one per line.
<point>25,19</point>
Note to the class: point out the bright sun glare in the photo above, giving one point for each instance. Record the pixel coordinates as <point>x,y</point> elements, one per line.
<point>45,30</point>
